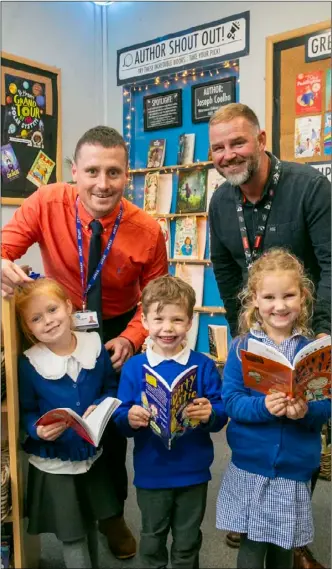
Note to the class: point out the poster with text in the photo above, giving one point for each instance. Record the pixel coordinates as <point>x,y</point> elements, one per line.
<point>307,136</point>
<point>308,92</point>
<point>327,134</point>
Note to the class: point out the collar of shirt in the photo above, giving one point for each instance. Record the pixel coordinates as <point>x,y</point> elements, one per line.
<point>107,221</point>
<point>52,366</point>
<point>155,359</point>
<point>246,202</point>
<point>259,333</point>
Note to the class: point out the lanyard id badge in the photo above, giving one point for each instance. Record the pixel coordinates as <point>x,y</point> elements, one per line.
<point>85,320</point>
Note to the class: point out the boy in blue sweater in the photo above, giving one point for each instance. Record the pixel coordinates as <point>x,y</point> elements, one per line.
<point>171,484</point>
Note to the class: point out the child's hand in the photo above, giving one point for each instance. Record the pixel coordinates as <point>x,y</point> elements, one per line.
<point>138,417</point>
<point>200,410</point>
<point>88,411</point>
<point>296,409</point>
<point>51,432</point>
<point>276,404</point>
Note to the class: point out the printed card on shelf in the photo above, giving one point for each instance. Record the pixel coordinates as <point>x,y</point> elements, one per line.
<point>156,153</point>
<point>186,149</point>
<point>164,224</point>
<point>193,332</point>
<point>151,188</point>
<point>214,180</point>
<point>201,236</point>
<point>164,198</point>
<point>194,276</point>
<point>186,238</point>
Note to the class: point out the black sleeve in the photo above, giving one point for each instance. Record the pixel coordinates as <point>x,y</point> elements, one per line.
<point>227,272</point>
<point>318,220</point>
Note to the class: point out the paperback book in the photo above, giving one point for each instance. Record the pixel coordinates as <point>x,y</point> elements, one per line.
<point>194,276</point>
<point>185,246</point>
<point>41,170</point>
<point>266,370</point>
<point>164,224</point>
<point>92,428</point>
<point>156,153</point>
<point>218,341</point>
<point>186,149</point>
<point>151,185</point>
<point>191,195</point>
<point>214,180</point>
<point>167,403</point>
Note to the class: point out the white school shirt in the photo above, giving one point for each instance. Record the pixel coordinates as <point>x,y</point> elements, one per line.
<point>155,359</point>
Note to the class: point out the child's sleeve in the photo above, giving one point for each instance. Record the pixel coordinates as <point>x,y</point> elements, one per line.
<point>240,404</point>
<point>129,395</point>
<point>212,391</point>
<point>319,412</point>
<point>29,407</point>
<point>109,385</point>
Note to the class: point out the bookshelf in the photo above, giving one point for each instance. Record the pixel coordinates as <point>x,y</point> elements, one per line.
<point>171,169</point>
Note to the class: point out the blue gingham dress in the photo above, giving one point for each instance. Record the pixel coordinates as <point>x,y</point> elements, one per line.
<point>272,510</point>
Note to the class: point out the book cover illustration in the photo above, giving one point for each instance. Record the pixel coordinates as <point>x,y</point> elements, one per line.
<point>167,403</point>
<point>186,149</point>
<point>164,225</point>
<point>214,180</point>
<point>156,153</point>
<point>41,170</point>
<point>307,136</point>
<point>327,134</point>
<point>191,194</point>
<point>10,168</point>
<point>186,238</point>
<point>218,345</point>
<point>308,92</point>
<point>267,370</point>
<point>151,185</point>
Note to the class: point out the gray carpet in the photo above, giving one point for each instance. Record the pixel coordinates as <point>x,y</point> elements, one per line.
<point>214,554</point>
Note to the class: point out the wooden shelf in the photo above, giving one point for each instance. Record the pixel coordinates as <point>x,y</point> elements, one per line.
<point>190,261</point>
<point>4,406</point>
<point>171,168</point>
<point>171,215</point>
<point>210,309</point>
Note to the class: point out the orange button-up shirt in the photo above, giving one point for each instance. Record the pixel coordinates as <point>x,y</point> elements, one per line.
<point>137,256</point>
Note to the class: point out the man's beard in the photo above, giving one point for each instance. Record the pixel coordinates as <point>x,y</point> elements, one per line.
<point>251,167</point>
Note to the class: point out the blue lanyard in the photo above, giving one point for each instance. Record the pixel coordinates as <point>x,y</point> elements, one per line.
<point>103,257</point>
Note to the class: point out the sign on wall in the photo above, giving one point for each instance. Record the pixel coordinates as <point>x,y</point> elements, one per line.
<point>203,45</point>
<point>323,167</point>
<point>318,46</point>
<point>206,98</point>
<point>163,110</point>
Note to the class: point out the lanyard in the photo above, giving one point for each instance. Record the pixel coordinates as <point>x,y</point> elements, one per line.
<point>103,257</point>
<point>251,256</point>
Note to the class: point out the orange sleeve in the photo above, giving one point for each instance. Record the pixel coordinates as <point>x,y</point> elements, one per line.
<point>23,230</point>
<point>158,266</point>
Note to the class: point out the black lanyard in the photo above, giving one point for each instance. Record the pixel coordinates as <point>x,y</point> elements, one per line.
<point>251,256</point>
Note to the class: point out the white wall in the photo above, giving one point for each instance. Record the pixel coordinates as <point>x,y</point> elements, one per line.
<point>130,23</point>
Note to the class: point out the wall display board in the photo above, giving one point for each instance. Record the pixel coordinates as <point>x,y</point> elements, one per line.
<point>177,186</point>
<point>163,111</point>
<point>298,94</point>
<point>30,127</point>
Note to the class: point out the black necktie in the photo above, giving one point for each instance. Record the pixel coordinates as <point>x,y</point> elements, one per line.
<point>94,294</point>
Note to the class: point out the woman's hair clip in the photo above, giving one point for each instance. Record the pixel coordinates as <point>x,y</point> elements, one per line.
<point>35,276</point>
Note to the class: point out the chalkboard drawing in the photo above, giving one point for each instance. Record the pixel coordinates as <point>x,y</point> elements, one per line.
<point>186,238</point>
<point>10,169</point>
<point>156,153</point>
<point>191,195</point>
<point>186,149</point>
<point>307,136</point>
<point>25,106</point>
<point>327,134</point>
<point>151,186</point>
<point>41,169</point>
<point>308,92</point>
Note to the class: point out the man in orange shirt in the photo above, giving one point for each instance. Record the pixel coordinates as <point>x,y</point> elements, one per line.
<point>59,218</point>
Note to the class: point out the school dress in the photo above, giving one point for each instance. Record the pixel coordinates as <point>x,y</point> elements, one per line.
<point>69,485</point>
<point>255,500</point>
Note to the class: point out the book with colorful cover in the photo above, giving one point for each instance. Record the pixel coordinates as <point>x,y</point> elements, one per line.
<point>186,149</point>
<point>156,153</point>
<point>218,341</point>
<point>151,186</point>
<point>164,225</point>
<point>191,194</point>
<point>10,168</point>
<point>308,92</point>
<point>186,243</point>
<point>267,370</point>
<point>167,403</point>
<point>92,428</point>
<point>41,169</point>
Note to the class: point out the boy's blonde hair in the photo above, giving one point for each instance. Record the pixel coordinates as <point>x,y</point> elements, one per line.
<point>168,290</point>
<point>233,111</point>
<point>24,294</point>
<point>276,259</point>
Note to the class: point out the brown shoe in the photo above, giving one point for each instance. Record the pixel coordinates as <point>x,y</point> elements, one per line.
<point>119,537</point>
<point>233,539</point>
<point>304,559</point>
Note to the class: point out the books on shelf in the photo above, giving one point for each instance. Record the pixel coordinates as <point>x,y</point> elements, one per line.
<point>164,198</point>
<point>266,370</point>
<point>164,224</point>
<point>191,194</point>
<point>186,149</point>
<point>185,246</point>
<point>214,180</point>
<point>151,186</point>
<point>156,153</point>
<point>167,403</point>
<point>92,428</point>
<point>218,336</point>
<point>194,276</point>
<point>192,334</point>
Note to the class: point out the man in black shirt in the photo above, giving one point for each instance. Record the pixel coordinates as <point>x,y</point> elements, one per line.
<point>266,203</point>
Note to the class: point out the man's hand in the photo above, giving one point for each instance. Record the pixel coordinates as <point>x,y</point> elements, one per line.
<point>296,409</point>
<point>88,411</point>
<point>11,277</point>
<point>122,350</point>
<point>51,432</point>
<point>199,410</point>
<point>138,417</point>
<point>276,403</point>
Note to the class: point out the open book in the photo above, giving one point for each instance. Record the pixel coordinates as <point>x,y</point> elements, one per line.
<point>267,370</point>
<point>167,403</point>
<point>91,429</point>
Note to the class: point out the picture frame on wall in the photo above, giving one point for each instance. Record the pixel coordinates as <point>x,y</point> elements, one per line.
<point>162,110</point>
<point>31,151</point>
<point>206,98</point>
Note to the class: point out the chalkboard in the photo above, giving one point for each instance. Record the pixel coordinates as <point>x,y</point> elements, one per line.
<point>206,98</point>
<point>163,110</point>
<point>30,127</point>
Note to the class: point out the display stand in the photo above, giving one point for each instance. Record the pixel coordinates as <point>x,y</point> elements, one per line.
<point>25,548</point>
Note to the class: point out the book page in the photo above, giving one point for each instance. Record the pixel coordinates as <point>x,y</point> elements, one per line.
<point>257,347</point>
<point>98,419</point>
<point>312,347</point>
<point>164,198</point>
<point>313,375</point>
<point>72,419</point>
